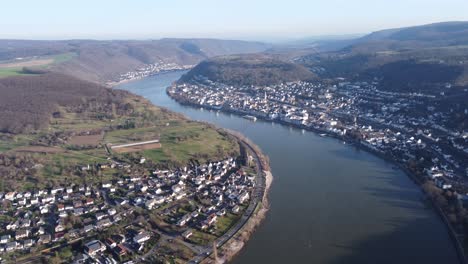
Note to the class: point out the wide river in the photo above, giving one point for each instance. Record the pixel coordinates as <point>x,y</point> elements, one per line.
<point>330,202</point>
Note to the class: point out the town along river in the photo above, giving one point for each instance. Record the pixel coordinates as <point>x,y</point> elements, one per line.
<point>330,202</point>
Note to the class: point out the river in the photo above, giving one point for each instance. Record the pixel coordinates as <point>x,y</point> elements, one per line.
<point>330,202</point>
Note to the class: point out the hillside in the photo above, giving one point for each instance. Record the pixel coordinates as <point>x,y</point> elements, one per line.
<point>405,59</point>
<point>425,36</point>
<point>248,70</point>
<point>52,124</point>
<point>101,61</point>
<point>28,103</point>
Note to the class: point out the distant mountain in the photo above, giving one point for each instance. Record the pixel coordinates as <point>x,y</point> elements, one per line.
<point>251,69</point>
<point>100,61</point>
<point>425,36</point>
<point>406,59</point>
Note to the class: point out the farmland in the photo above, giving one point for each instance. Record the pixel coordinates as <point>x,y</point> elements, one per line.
<point>17,67</point>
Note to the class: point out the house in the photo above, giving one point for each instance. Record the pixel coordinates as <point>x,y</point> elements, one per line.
<point>441,183</point>
<point>10,196</point>
<point>22,233</point>
<point>60,207</point>
<point>73,233</point>
<point>88,228</point>
<point>104,223</point>
<point>89,201</point>
<point>40,231</point>
<point>78,211</point>
<point>4,239</point>
<point>56,190</point>
<point>211,219</point>
<point>11,246</point>
<point>59,236</point>
<point>63,214</point>
<point>44,209</point>
<point>221,212</point>
<point>141,237</point>
<point>244,196</point>
<point>44,239</point>
<point>77,204</point>
<point>25,223</point>
<point>187,234</point>
<point>94,247</point>
<point>235,209</point>
<point>12,226</point>
<point>120,250</point>
<point>110,243</point>
<point>183,221</point>
<point>28,243</point>
<point>34,201</point>
<point>117,218</point>
<point>112,211</point>
<point>100,216</point>
<point>59,228</point>
<point>48,199</point>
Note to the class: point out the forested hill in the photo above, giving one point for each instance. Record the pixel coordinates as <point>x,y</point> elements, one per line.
<point>248,70</point>
<point>27,103</point>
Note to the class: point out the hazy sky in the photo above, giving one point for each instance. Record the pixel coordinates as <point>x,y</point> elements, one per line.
<point>245,19</point>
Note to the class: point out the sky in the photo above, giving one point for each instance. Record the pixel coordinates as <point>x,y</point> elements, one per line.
<point>228,19</point>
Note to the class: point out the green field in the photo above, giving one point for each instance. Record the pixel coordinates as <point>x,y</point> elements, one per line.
<point>181,141</point>
<point>63,57</point>
<point>201,238</point>
<point>6,71</point>
<point>225,222</point>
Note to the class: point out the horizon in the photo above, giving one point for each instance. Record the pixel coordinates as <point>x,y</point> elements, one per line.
<point>259,21</point>
<point>274,40</point>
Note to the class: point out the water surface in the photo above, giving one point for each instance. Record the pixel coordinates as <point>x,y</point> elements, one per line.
<point>330,202</point>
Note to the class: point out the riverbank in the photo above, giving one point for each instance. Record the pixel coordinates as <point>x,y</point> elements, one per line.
<point>112,84</point>
<point>454,236</point>
<point>231,247</point>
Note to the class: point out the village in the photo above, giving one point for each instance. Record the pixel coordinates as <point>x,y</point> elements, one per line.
<point>149,70</point>
<point>402,127</point>
<point>100,224</point>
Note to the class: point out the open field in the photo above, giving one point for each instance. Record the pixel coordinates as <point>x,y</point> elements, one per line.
<point>86,140</point>
<point>27,63</point>
<point>40,149</point>
<point>5,72</point>
<point>137,148</point>
<point>182,141</point>
<point>14,68</point>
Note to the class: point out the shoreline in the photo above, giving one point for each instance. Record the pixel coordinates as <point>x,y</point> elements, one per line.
<point>113,84</point>
<point>454,236</point>
<point>228,250</point>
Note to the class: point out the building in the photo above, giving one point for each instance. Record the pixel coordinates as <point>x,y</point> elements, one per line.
<point>94,247</point>
<point>142,237</point>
